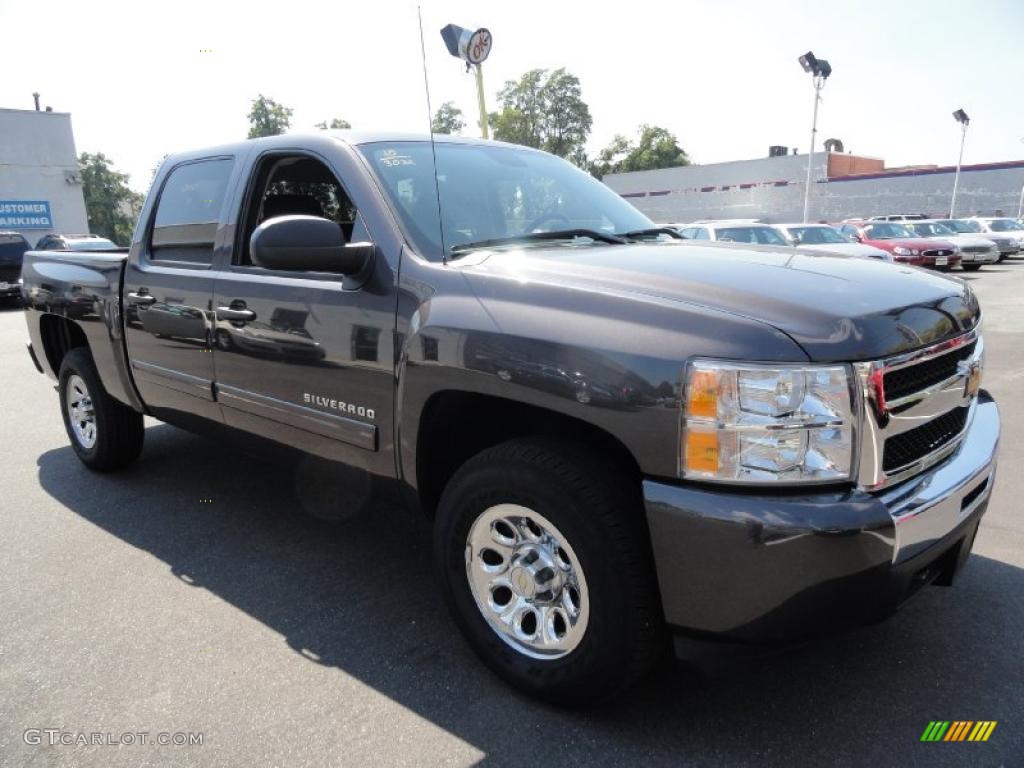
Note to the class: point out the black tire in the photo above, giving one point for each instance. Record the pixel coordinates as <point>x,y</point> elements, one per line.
<point>971,267</point>
<point>601,517</point>
<point>119,430</point>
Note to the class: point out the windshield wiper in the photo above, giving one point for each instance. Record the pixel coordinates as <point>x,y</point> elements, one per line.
<point>652,232</point>
<point>532,237</point>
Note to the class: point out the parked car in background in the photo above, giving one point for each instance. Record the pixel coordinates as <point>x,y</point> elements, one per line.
<point>1004,226</point>
<point>733,231</point>
<point>904,246</point>
<point>900,217</point>
<point>822,237</point>
<point>1006,243</point>
<point>74,243</point>
<point>975,250</point>
<point>12,249</point>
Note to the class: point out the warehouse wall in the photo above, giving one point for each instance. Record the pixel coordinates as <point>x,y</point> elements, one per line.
<point>38,162</point>
<point>773,189</point>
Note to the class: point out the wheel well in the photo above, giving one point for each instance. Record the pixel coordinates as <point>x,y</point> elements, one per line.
<point>483,421</point>
<point>59,336</point>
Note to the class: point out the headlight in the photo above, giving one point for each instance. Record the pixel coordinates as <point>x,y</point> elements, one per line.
<point>766,423</point>
<point>899,250</point>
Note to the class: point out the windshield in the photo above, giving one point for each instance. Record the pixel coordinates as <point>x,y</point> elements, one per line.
<point>760,235</point>
<point>930,229</point>
<point>491,192</point>
<point>886,231</point>
<point>1004,225</point>
<point>817,235</point>
<point>962,226</point>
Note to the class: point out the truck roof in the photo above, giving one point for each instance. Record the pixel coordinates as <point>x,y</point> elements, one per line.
<point>354,138</point>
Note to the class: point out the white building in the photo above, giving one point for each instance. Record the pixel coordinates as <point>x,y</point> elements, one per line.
<point>40,186</point>
<point>842,186</point>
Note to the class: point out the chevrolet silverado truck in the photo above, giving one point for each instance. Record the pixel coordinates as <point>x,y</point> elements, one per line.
<point>617,435</point>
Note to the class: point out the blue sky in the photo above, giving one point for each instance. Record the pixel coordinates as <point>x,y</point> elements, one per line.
<point>722,76</point>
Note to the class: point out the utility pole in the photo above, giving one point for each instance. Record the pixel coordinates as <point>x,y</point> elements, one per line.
<point>961,117</point>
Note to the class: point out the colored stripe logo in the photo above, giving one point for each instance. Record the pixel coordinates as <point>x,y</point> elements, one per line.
<point>959,730</point>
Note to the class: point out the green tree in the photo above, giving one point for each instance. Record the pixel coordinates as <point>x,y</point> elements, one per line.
<point>268,118</point>
<point>448,119</point>
<point>111,207</point>
<point>544,110</point>
<point>336,124</point>
<point>656,147</point>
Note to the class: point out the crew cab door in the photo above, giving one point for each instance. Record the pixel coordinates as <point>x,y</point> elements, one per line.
<point>306,358</point>
<point>168,290</point>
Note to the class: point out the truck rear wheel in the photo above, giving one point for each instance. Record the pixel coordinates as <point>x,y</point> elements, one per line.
<point>105,434</point>
<point>545,564</point>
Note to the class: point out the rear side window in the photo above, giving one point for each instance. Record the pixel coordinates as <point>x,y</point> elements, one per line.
<point>189,209</point>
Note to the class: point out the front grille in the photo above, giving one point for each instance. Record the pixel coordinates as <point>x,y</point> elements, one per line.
<point>937,252</point>
<point>914,378</point>
<point>975,249</point>
<point>914,444</point>
<point>10,274</point>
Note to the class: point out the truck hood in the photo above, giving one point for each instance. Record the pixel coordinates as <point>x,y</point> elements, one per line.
<point>836,308</point>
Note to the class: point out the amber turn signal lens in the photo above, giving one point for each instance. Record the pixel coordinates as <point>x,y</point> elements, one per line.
<point>702,399</point>
<point>701,452</point>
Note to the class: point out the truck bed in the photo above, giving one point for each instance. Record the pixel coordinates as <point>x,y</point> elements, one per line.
<point>83,287</point>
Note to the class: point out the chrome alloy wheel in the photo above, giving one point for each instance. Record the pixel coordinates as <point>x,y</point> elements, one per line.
<point>527,581</point>
<point>80,411</point>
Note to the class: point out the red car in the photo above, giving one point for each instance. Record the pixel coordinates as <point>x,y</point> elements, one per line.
<point>903,244</point>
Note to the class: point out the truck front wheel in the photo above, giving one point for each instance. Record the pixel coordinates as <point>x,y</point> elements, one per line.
<point>104,433</point>
<point>545,563</point>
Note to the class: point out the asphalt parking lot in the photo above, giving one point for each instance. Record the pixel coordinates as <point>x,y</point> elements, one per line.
<point>192,594</point>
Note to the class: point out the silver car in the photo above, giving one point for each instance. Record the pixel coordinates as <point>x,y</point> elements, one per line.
<point>1006,243</point>
<point>975,250</point>
<point>1002,225</point>
<point>731,230</point>
<point>822,237</point>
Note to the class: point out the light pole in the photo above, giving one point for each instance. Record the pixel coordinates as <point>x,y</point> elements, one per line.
<point>961,117</point>
<point>473,47</point>
<point>1020,205</point>
<point>819,70</point>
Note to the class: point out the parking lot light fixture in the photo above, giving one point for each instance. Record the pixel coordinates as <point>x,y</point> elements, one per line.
<point>473,47</point>
<point>819,69</point>
<point>961,117</point>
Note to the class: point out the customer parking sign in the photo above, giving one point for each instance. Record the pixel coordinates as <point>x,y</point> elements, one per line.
<point>25,214</point>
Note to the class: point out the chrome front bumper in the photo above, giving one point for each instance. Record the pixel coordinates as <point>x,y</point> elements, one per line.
<point>928,507</point>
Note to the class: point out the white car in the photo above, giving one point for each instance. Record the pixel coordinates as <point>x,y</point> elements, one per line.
<point>731,230</point>
<point>821,237</point>
<point>1002,225</point>
<point>975,250</point>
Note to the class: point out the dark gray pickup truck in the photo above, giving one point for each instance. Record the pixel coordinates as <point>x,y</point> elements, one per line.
<point>617,435</point>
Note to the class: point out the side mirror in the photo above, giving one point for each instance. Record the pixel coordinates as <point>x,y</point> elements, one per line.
<point>306,244</point>
<point>796,239</point>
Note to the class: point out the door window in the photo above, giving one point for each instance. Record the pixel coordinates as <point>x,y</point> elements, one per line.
<point>189,210</point>
<point>286,186</point>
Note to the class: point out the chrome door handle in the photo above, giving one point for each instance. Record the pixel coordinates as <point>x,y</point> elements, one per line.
<point>141,298</point>
<point>235,315</point>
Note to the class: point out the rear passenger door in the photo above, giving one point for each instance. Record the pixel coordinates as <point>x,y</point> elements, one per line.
<point>168,290</point>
